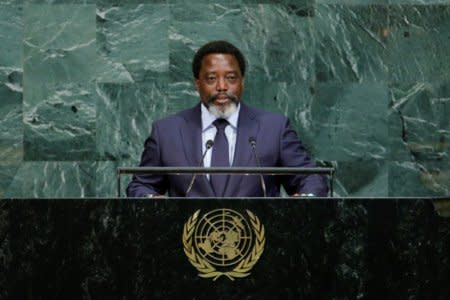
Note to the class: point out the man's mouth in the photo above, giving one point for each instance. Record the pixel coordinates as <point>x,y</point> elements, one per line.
<point>221,99</point>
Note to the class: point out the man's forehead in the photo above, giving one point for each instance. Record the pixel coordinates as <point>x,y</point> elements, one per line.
<point>220,61</point>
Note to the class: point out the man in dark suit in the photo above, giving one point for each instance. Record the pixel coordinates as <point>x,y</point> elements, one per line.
<point>180,139</point>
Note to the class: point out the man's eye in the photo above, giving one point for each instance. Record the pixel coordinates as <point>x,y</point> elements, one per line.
<point>210,78</point>
<point>231,78</point>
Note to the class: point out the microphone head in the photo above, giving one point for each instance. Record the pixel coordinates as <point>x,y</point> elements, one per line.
<point>252,140</point>
<point>209,144</point>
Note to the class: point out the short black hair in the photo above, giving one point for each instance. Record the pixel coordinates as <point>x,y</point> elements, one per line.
<point>218,47</point>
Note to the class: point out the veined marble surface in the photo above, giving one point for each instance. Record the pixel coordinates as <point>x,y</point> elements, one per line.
<point>366,84</point>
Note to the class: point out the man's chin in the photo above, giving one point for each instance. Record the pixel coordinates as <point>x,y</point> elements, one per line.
<point>222,110</point>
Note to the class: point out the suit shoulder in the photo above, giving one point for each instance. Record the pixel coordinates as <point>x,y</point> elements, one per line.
<point>174,118</point>
<point>268,115</point>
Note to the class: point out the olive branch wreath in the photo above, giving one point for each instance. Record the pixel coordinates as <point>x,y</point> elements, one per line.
<point>206,269</point>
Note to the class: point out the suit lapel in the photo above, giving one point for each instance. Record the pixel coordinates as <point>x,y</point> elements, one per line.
<point>191,135</point>
<point>248,126</point>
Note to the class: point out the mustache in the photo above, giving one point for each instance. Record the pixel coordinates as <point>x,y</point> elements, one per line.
<point>231,96</point>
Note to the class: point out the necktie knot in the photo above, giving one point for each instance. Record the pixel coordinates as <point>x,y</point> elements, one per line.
<point>220,124</point>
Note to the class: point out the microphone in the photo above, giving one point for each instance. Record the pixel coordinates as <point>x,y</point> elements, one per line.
<point>208,145</point>
<point>252,141</point>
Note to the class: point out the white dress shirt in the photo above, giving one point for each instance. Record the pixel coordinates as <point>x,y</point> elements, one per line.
<point>209,132</point>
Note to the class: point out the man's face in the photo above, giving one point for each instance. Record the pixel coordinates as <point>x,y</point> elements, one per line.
<point>220,82</point>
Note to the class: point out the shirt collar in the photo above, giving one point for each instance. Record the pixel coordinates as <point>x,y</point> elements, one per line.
<point>208,118</point>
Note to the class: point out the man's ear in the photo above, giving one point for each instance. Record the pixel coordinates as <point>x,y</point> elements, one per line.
<point>197,84</point>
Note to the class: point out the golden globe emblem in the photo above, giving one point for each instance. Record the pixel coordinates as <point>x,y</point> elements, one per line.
<point>223,242</point>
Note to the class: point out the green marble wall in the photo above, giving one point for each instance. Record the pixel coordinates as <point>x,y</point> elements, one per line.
<point>366,84</point>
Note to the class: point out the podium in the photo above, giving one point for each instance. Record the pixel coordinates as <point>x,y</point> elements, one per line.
<point>314,248</point>
<point>194,172</point>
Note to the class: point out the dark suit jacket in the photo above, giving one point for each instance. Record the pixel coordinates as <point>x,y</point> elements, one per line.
<point>176,141</point>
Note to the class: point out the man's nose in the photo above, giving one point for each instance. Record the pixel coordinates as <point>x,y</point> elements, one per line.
<point>222,85</point>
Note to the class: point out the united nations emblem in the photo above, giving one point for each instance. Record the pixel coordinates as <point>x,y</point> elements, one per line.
<point>223,243</point>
